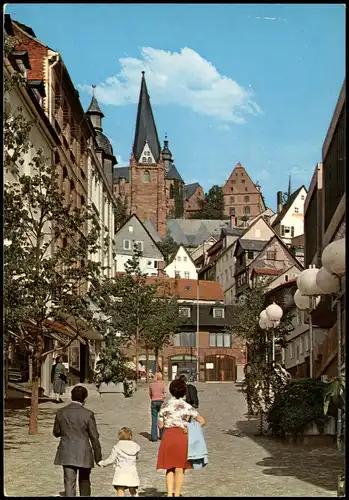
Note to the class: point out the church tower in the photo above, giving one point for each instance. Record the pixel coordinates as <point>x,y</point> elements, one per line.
<point>147,172</point>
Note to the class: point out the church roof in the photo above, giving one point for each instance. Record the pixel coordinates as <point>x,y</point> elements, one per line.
<point>94,108</point>
<point>104,143</point>
<point>173,174</point>
<point>122,173</point>
<point>190,189</point>
<point>145,126</point>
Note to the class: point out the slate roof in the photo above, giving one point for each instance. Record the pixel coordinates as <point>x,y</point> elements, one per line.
<point>104,143</point>
<point>121,172</point>
<point>145,126</point>
<point>152,231</point>
<point>190,189</point>
<point>193,232</point>
<point>173,174</point>
<point>94,108</point>
<point>206,318</point>
<point>286,207</point>
<point>255,245</point>
<point>233,231</point>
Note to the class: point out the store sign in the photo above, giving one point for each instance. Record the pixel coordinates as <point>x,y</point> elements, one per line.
<point>209,366</point>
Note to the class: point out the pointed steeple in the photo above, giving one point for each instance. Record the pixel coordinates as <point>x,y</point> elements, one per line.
<point>95,112</point>
<point>289,186</point>
<point>166,155</point>
<point>146,133</point>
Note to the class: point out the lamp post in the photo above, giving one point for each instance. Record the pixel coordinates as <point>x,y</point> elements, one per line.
<point>265,324</point>
<point>329,280</point>
<point>308,287</point>
<point>270,318</point>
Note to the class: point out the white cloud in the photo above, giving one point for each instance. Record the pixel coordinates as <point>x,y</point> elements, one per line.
<point>183,78</point>
<point>224,126</point>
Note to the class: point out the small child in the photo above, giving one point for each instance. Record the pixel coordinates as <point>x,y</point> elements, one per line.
<point>124,454</point>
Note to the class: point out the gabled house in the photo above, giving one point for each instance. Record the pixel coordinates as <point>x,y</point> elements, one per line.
<point>193,195</point>
<point>181,265</point>
<point>134,233</point>
<point>201,250</point>
<point>289,222</point>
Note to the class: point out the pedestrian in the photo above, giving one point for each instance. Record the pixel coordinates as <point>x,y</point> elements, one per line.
<point>174,417</point>
<point>59,379</point>
<point>124,454</point>
<point>76,426</point>
<point>191,396</point>
<point>157,394</point>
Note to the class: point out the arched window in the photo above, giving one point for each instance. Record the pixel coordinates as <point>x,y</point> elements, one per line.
<point>144,159</point>
<point>149,159</point>
<point>247,198</point>
<point>247,210</point>
<point>146,176</point>
<point>171,192</point>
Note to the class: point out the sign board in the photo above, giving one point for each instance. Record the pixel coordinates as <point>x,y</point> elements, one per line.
<point>209,366</point>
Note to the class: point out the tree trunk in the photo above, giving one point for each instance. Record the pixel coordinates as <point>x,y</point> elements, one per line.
<point>147,365</point>
<point>33,419</point>
<point>156,352</point>
<point>136,356</point>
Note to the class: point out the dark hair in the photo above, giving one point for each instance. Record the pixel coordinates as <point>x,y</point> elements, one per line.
<point>182,377</point>
<point>178,388</point>
<point>59,359</point>
<point>79,393</point>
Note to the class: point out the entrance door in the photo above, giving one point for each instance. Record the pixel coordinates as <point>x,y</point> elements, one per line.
<point>220,368</point>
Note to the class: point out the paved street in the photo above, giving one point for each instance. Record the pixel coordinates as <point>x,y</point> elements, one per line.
<point>239,463</point>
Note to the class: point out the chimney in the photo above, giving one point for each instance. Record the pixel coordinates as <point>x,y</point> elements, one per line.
<point>232,221</point>
<point>279,201</point>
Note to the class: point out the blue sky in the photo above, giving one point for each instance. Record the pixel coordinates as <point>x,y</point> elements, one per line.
<point>251,83</point>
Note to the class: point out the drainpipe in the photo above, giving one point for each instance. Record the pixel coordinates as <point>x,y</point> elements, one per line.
<point>57,59</point>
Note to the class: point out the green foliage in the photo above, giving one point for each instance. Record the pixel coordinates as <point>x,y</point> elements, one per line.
<point>121,212</point>
<point>111,365</point>
<point>335,392</point>
<point>212,207</point>
<point>178,196</point>
<point>297,406</point>
<point>168,247</point>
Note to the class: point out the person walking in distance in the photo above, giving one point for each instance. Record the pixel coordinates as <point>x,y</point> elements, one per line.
<point>174,417</point>
<point>191,395</point>
<point>59,379</point>
<point>76,426</point>
<point>157,394</point>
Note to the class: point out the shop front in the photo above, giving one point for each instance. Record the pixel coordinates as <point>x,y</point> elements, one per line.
<point>182,363</point>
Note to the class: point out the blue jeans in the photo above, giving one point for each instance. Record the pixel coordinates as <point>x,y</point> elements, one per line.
<point>155,408</point>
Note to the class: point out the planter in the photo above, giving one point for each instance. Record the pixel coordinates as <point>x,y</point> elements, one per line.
<point>329,430</point>
<point>111,388</point>
<point>312,435</point>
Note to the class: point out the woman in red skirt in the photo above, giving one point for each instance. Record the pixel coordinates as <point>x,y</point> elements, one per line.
<point>174,416</point>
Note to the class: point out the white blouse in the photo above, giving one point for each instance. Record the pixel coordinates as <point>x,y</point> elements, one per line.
<point>176,413</point>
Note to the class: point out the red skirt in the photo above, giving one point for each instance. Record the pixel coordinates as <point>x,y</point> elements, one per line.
<point>173,450</point>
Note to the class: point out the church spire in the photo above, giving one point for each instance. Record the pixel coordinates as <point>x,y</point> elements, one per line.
<point>146,132</point>
<point>289,186</point>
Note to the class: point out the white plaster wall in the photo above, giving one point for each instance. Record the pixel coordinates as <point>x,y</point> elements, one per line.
<point>181,264</point>
<point>294,218</point>
<point>150,270</point>
<point>292,273</point>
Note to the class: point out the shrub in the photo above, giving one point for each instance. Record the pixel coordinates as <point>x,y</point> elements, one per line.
<point>297,406</point>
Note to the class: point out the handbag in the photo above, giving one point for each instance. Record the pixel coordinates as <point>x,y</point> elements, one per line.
<point>63,377</point>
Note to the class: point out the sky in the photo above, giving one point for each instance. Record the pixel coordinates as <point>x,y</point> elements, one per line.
<point>228,83</point>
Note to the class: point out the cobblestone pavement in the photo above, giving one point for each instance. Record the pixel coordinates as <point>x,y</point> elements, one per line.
<point>240,464</point>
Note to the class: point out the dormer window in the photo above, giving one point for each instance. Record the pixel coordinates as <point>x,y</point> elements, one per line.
<point>218,312</point>
<point>184,312</point>
<point>149,159</point>
<point>144,159</point>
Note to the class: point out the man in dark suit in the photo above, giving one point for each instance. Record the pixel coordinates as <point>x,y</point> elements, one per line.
<point>76,426</point>
<point>192,392</point>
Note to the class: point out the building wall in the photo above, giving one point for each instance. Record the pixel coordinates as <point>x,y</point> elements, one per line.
<point>192,204</point>
<point>182,266</point>
<point>288,275</point>
<point>148,199</point>
<point>294,218</point>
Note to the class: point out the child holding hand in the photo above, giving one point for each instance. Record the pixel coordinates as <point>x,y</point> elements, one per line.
<point>124,455</point>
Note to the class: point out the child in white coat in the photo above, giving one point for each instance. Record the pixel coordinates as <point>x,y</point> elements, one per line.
<point>124,455</point>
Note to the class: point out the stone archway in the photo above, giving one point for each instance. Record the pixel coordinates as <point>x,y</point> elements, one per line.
<point>220,368</point>
<point>180,362</point>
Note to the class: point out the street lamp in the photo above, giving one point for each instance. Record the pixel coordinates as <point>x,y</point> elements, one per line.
<point>329,281</point>
<point>264,324</point>
<point>308,287</point>
<point>274,314</point>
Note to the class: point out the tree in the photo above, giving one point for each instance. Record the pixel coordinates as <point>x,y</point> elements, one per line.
<point>111,364</point>
<point>168,247</point>
<point>46,257</point>
<point>142,312</point>
<point>121,212</point>
<point>212,207</point>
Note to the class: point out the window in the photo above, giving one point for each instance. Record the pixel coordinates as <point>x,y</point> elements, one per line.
<point>227,340</point>
<point>292,231</point>
<point>186,275</point>
<point>179,258</point>
<point>307,343</point>
<point>301,349</point>
<point>171,192</point>
<point>184,339</point>
<point>232,211</point>
<point>149,159</point>
<point>243,181</point>
<point>247,210</point>
<point>139,245</point>
<point>271,255</point>
<point>146,176</point>
<point>233,182</point>
<point>242,174</point>
<point>218,312</point>
<point>177,274</point>
<point>285,230</point>
<point>212,341</point>
<point>296,210</point>
<point>185,258</point>
<point>286,278</point>
<point>144,160</point>
<point>220,340</point>
<point>127,245</point>
<point>290,349</point>
<point>155,264</point>
<point>246,198</point>
<point>184,312</point>
<point>250,254</point>
<point>297,351</point>
<point>232,199</point>
<point>302,197</point>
